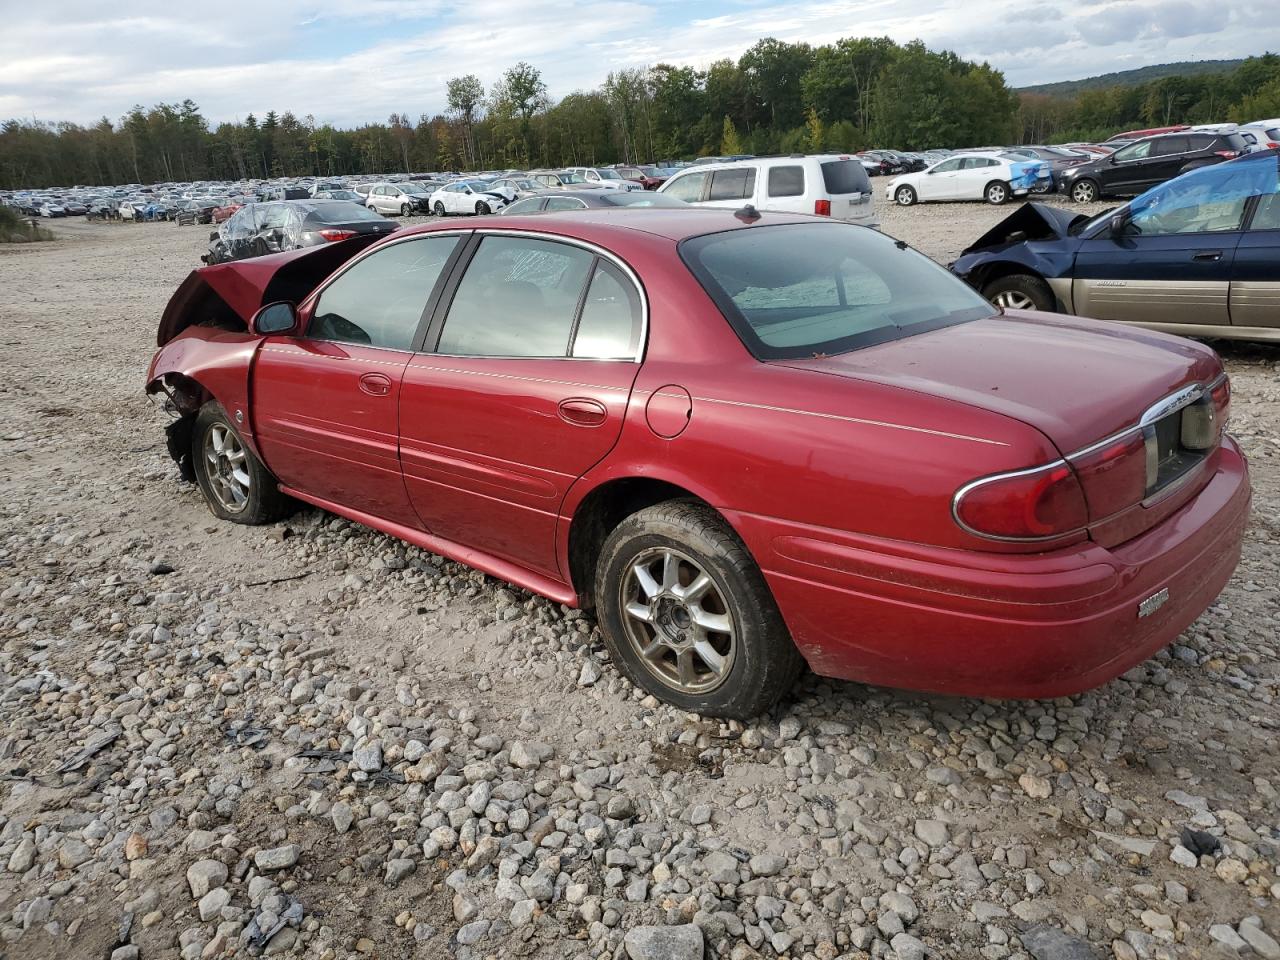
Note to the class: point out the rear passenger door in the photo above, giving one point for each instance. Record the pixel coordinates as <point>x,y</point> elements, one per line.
<point>731,188</point>
<point>1255,275</point>
<point>519,390</point>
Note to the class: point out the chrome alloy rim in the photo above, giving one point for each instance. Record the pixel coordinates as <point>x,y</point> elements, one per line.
<point>677,620</point>
<point>1013,300</point>
<point>227,468</point>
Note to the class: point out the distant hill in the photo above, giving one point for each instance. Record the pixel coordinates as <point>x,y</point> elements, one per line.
<point>1126,78</point>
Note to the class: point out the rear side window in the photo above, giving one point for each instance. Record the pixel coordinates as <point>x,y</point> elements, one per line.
<point>565,203</point>
<point>379,301</point>
<point>802,290</point>
<point>687,188</point>
<point>1200,141</point>
<point>1167,146</point>
<point>733,184</point>
<point>1267,216</point>
<point>786,181</point>
<point>609,328</point>
<point>845,176</point>
<point>529,205</point>
<point>518,298</point>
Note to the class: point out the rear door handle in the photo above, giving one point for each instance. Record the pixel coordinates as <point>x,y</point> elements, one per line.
<point>1210,255</point>
<point>583,412</point>
<point>375,384</point>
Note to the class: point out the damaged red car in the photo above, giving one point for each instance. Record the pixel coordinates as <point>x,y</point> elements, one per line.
<point>750,442</point>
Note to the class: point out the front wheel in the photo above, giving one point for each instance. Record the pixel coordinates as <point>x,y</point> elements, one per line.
<point>234,482</point>
<point>439,209</point>
<point>687,615</point>
<point>905,196</point>
<point>1084,191</point>
<point>1020,291</point>
<point>482,208</point>
<point>996,193</point>
<point>405,210</point>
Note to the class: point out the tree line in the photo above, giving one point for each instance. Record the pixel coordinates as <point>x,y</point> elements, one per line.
<point>777,97</point>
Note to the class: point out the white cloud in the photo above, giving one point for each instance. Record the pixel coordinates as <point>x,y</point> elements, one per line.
<point>348,61</point>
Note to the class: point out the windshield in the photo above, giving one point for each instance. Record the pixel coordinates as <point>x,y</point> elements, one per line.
<point>619,198</point>
<point>609,175</point>
<point>803,290</point>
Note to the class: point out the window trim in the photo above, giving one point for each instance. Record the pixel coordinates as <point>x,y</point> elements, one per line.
<point>308,305</point>
<point>440,309</point>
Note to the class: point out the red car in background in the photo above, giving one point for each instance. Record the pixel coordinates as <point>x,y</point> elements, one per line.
<point>226,211</point>
<point>749,442</point>
<point>647,177</point>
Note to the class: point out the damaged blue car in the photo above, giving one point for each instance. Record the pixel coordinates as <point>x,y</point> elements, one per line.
<point>1198,255</point>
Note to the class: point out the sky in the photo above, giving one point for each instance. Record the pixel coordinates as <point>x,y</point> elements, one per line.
<point>350,61</point>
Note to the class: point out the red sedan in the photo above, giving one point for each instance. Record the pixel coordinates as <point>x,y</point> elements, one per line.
<point>751,442</point>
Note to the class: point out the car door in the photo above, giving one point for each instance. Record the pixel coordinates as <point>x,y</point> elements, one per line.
<point>1168,154</point>
<point>940,182</point>
<point>1169,260</point>
<point>731,188</point>
<point>326,400</point>
<point>1125,173</point>
<point>1255,274</point>
<point>522,388</point>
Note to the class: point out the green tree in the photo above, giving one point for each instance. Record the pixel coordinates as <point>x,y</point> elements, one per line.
<point>465,94</point>
<point>729,142</point>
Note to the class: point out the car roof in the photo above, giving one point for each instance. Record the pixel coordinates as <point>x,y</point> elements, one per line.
<point>615,224</point>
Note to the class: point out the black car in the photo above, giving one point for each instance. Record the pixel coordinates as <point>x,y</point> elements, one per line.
<point>1199,255</point>
<point>550,201</point>
<point>257,229</point>
<point>1145,163</point>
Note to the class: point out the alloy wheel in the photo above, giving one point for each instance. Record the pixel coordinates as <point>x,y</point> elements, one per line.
<point>1083,192</point>
<point>227,468</point>
<point>1013,300</point>
<point>677,620</point>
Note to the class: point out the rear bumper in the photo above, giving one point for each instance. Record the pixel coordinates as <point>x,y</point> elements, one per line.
<point>1000,625</point>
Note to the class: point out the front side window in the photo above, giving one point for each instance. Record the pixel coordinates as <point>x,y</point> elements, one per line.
<point>1135,151</point>
<point>518,298</point>
<point>687,188</point>
<point>379,300</point>
<point>804,290</point>
<point>732,184</point>
<point>948,165</point>
<point>786,181</point>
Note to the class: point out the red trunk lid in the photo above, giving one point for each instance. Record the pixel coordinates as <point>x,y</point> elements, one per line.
<point>1077,381</point>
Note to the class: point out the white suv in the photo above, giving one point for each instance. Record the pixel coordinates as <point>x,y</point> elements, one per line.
<point>829,185</point>
<point>605,179</point>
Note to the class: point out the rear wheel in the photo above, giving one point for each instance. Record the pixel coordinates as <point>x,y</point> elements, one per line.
<point>1084,191</point>
<point>234,482</point>
<point>905,196</point>
<point>996,192</point>
<point>687,615</point>
<point>1020,291</point>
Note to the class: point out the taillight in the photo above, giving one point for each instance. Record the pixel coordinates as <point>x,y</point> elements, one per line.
<point>822,208</point>
<point>1226,154</point>
<point>332,235</point>
<point>1039,504</point>
<point>1113,475</point>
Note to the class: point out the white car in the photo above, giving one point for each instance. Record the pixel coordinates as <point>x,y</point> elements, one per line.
<point>605,178</point>
<point>516,188</point>
<point>993,176</point>
<point>828,185</point>
<point>405,199</point>
<point>51,209</point>
<point>466,196</point>
<point>1265,132</point>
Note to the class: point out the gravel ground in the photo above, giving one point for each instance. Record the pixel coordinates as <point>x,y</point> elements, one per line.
<point>313,740</point>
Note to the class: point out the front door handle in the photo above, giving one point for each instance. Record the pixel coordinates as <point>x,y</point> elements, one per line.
<point>583,412</point>
<point>375,384</point>
<point>1209,255</point>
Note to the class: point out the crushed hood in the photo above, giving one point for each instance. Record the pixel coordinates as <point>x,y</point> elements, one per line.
<point>1037,221</point>
<point>227,291</point>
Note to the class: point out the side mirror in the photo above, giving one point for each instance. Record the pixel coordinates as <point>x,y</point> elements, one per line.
<point>1118,226</point>
<point>274,318</point>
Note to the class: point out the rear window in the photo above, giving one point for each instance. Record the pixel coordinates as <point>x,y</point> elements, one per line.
<point>786,181</point>
<point>845,176</point>
<point>798,290</point>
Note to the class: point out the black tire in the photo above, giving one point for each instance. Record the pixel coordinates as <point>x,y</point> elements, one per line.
<point>263,502</point>
<point>996,193</point>
<point>904,196</point>
<point>405,209</point>
<point>439,208</point>
<point>1085,191</point>
<point>760,661</point>
<point>482,208</point>
<point>1021,291</point>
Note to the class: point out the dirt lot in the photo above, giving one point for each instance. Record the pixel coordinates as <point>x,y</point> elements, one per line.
<point>313,740</point>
